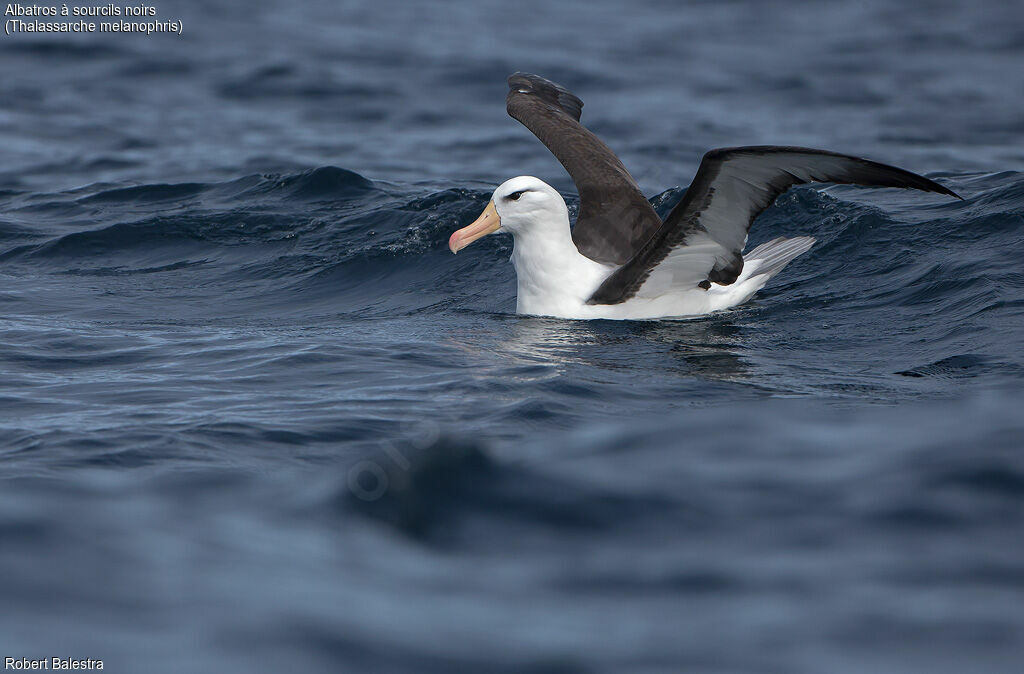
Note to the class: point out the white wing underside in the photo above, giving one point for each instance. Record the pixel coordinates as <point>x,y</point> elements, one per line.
<point>741,189</point>
<point>683,268</point>
<point>661,296</point>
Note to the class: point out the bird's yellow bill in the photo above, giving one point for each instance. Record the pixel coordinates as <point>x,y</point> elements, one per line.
<point>488,222</point>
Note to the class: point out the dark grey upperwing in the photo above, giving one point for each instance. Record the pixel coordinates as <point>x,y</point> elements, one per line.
<point>708,228</point>
<point>615,219</point>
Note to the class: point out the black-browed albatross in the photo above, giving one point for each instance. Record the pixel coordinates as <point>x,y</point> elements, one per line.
<point>620,260</point>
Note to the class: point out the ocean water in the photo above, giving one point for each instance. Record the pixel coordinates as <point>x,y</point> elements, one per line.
<point>254,416</point>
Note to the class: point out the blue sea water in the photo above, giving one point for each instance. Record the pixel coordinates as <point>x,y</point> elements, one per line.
<point>254,416</point>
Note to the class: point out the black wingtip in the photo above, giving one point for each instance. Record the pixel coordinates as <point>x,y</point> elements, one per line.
<point>552,92</point>
<point>878,175</point>
<point>948,192</point>
<point>930,185</point>
<point>908,179</point>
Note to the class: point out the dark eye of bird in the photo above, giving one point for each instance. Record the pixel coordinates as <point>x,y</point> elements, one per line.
<point>515,195</point>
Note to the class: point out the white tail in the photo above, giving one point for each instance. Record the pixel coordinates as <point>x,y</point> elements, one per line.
<point>769,258</point>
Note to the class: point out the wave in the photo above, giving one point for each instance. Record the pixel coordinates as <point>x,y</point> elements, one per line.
<point>320,233</point>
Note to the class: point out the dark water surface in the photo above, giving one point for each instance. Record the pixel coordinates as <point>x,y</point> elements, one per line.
<point>254,416</point>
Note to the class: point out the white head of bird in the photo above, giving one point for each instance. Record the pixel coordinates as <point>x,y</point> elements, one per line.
<point>525,207</point>
<point>553,278</point>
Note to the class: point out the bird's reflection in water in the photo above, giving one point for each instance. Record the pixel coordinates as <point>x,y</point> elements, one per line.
<point>709,347</point>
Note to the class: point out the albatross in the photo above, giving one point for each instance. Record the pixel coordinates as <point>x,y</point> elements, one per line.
<point>620,260</point>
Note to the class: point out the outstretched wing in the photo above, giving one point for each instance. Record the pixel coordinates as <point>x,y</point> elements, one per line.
<point>703,237</point>
<point>615,219</point>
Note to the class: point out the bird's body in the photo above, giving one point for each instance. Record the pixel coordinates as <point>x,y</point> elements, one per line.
<point>621,261</point>
<point>554,279</point>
